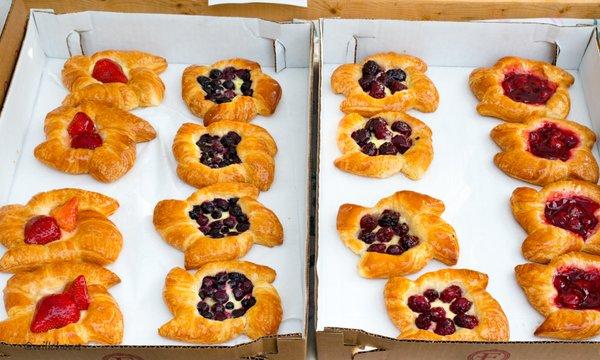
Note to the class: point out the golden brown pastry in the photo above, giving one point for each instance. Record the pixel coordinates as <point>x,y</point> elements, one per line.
<point>544,150</point>
<point>515,89</point>
<point>232,89</point>
<point>385,82</point>
<point>59,225</point>
<point>221,301</point>
<point>384,145</point>
<point>561,217</point>
<point>398,236</point>
<point>123,79</point>
<point>218,222</point>
<point>92,138</point>
<point>62,304</point>
<point>227,151</point>
<point>567,293</point>
<point>445,305</point>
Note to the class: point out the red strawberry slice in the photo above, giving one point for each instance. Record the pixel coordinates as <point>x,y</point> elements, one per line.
<point>66,214</point>
<point>81,124</point>
<point>41,230</point>
<point>86,141</point>
<point>54,312</point>
<point>108,71</point>
<point>78,292</point>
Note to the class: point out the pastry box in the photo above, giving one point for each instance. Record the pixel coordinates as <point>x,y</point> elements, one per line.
<point>285,52</point>
<point>351,316</point>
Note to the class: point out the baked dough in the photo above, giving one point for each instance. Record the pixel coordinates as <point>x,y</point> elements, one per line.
<point>573,205</point>
<point>101,323</point>
<point>181,295</point>
<point>582,319</point>
<point>119,132</point>
<point>419,234</point>
<point>518,160</point>
<point>143,87</point>
<point>489,322</point>
<point>254,155</point>
<point>94,239</point>
<point>487,85</point>
<point>173,220</point>
<point>413,162</point>
<point>419,92</point>
<point>266,93</point>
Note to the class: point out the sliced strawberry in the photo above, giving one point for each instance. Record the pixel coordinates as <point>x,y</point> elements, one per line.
<point>108,71</point>
<point>54,312</point>
<point>86,141</point>
<point>66,214</point>
<point>41,230</point>
<point>78,292</point>
<point>81,124</point>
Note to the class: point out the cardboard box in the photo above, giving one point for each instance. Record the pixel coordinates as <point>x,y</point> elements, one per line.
<point>351,319</point>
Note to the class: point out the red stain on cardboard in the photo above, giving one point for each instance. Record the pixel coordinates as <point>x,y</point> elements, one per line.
<point>489,355</point>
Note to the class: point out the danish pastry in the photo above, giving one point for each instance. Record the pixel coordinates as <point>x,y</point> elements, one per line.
<point>59,225</point>
<point>221,301</point>
<point>566,292</point>
<point>384,145</point>
<point>218,222</point>
<point>515,89</point>
<point>445,305</point>
<point>398,236</point>
<point>92,138</point>
<point>233,89</point>
<point>544,150</point>
<point>223,152</point>
<point>124,79</point>
<point>62,304</point>
<point>385,82</point>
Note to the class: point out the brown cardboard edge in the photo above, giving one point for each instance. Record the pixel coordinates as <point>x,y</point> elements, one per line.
<point>11,39</point>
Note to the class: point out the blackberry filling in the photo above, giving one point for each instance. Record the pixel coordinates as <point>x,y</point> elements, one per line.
<point>378,138</point>
<point>222,86</point>
<point>219,151</point>
<point>220,218</point>
<point>225,296</point>
<point>377,82</point>
<point>385,233</point>
<point>528,88</point>
<point>577,289</point>
<point>576,214</point>
<point>552,142</point>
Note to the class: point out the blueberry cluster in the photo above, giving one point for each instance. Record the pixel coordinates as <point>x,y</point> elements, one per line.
<point>374,80</point>
<point>394,141</point>
<point>222,86</point>
<point>225,296</point>
<point>379,231</point>
<point>218,152</point>
<point>219,218</point>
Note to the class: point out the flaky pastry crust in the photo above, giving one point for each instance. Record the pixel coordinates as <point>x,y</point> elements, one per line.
<point>486,84</point>
<point>101,323</point>
<point>264,100</point>
<point>493,324</point>
<point>95,239</point>
<point>437,239</point>
<point>516,161</point>
<point>144,88</point>
<point>181,297</point>
<point>420,94</point>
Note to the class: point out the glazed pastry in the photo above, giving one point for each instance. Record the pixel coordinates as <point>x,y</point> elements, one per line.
<point>224,152</point>
<point>384,145</point>
<point>123,79</point>
<point>544,150</point>
<point>59,225</point>
<point>398,236</point>
<point>233,89</point>
<point>445,305</point>
<point>221,301</point>
<point>515,89</point>
<point>62,304</point>
<point>385,82</point>
<point>92,138</point>
<point>567,293</point>
<point>561,217</point>
<point>218,222</point>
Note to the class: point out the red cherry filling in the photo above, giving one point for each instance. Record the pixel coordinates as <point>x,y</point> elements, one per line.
<point>225,296</point>
<point>576,214</point>
<point>82,131</point>
<point>392,141</point>
<point>108,71</point>
<point>386,234</point>
<point>577,288</point>
<point>217,151</point>
<point>552,142</point>
<point>528,88</point>
<point>375,80</point>
<point>222,86</point>
<point>219,218</point>
<point>59,310</point>
<point>41,230</point>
